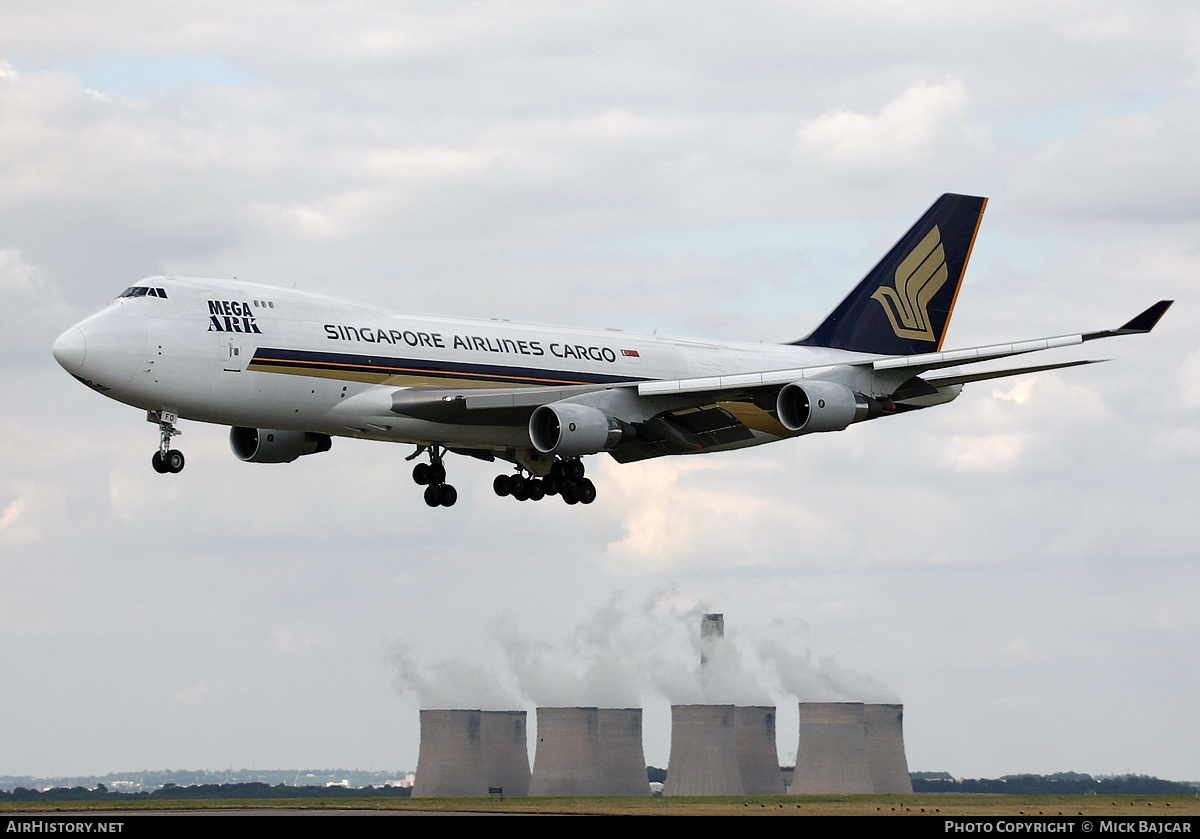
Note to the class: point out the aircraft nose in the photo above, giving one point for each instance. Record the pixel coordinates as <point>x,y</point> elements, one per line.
<point>70,349</point>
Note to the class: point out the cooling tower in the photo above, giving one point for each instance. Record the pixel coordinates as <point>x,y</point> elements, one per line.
<point>450,763</point>
<point>505,751</point>
<point>703,752</point>
<point>567,760</point>
<point>885,748</point>
<point>831,756</point>
<point>757,757</point>
<point>621,757</point>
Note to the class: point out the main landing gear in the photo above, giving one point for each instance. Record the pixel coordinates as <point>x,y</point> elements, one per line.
<point>432,476</point>
<point>565,479</point>
<point>166,459</point>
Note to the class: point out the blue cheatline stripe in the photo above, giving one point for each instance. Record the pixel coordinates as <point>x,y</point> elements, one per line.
<point>304,360</point>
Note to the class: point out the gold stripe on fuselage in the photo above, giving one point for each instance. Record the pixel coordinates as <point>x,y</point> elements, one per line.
<point>406,379</point>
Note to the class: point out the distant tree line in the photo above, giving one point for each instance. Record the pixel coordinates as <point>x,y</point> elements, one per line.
<point>1063,783</point>
<point>153,779</point>
<point>172,792</point>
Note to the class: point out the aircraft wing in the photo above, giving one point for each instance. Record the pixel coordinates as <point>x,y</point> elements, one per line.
<point>916,364</point>
<point>931,361</point>
<point>696,414</point>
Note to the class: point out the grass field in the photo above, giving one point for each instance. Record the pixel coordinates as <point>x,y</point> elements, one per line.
<point>823,805</point>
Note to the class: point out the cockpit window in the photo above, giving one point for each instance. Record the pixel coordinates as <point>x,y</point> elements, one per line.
<point>143,291</point>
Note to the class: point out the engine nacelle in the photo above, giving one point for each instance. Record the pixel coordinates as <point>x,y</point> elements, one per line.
<point>567,429</point>
<point>812,406</point>
<point>268,445</point>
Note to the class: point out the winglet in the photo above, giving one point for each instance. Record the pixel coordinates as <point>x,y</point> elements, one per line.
<point>1147,319</point>
<point>1138,325</point>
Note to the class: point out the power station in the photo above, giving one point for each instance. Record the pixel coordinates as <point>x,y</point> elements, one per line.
<point>716,749</point>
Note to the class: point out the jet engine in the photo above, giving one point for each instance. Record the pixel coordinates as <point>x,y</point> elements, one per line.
<point>812,406</point>
<point>269,445</point>
<point>568,429</point>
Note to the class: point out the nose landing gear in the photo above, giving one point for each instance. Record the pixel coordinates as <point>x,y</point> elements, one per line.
<point>166,459</point>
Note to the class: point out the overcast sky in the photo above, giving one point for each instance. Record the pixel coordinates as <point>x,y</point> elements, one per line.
<point>1019,568</point>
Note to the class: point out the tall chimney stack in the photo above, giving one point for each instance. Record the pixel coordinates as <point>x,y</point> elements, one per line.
<point>712,630</point>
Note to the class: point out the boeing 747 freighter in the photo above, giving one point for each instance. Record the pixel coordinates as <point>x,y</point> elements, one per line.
<point>290,370</point>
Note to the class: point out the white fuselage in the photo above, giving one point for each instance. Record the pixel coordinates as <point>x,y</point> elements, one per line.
<point>243,354</point>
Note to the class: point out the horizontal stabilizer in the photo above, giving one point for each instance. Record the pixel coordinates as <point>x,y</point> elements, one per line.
<point>966,378</point>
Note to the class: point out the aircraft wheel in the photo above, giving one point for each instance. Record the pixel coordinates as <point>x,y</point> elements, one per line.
<point>447,495</point>
<point>573,469</point>
<point>157,463</point>
<point>518,488</point>
<point>436,473</point>
<point>568,494</point>
<point>174,461</point>
<point>431,496</point>
<point>551,485</point>
<point>421,474</point>
<point>586,490</point>
<point>500,485</point>
<point>535,490</point>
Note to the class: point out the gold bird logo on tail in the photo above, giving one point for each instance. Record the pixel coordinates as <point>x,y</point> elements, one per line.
<point>918,279</point>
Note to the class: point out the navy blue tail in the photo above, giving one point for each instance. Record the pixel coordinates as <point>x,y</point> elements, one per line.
<point>903,305</point>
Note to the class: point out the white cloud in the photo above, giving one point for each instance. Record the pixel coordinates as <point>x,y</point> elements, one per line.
<point>206,691</point>
<point>1189,378</point>
<point>1144,165</point>
<point>25,517</point>
<point>684,512</point>
<point>917,130</point>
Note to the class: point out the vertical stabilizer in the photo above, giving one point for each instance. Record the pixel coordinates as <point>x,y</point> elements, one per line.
<point>903,305</point>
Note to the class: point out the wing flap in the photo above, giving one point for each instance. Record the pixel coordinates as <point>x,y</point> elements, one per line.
<point>474,406</point>
<point>740,381</point>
